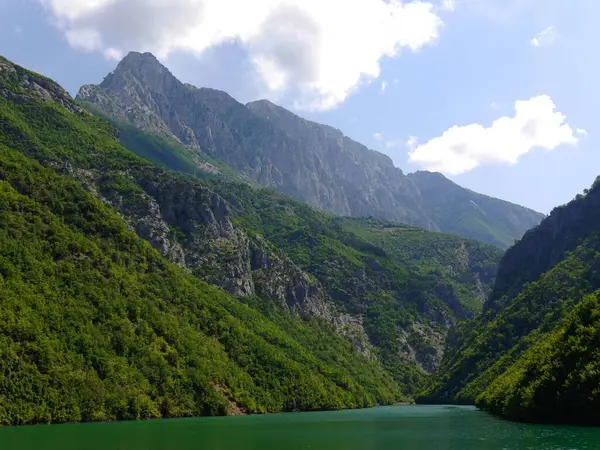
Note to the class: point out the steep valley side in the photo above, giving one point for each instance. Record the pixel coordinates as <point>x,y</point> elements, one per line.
<point>533,354</point>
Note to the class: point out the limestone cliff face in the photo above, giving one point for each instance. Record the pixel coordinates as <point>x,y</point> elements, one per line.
<point>310,162</point>
<point>191,225</point>
<point>541,248</point>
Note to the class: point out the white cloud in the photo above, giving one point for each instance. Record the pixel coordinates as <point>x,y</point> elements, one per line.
<point>448,5</point>
<point>318,51</point>
<point>412,142</point>
<point>460,149</point>
<point>545,37</point>
<point>582,132</point>
<point>384,86</point>
<point>389,143</point>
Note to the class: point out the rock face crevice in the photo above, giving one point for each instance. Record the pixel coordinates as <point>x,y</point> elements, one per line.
<point>305,160</point>
<point>191,226</point>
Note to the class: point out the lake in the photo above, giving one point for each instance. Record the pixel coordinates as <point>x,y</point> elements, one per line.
<point>385,428</point>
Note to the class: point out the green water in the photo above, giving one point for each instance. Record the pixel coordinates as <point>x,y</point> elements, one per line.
<point>388,428</point>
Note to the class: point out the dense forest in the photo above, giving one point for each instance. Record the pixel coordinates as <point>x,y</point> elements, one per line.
<point>533,353</point>
<point>558,378</point>
<point>97,325</point>
<point>134,291</point>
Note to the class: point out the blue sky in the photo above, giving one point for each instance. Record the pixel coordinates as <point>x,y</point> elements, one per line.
<point>461,64</point>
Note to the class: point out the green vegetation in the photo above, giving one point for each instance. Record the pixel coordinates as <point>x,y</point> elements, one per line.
<point>96,325</point>
<point>558,378</point>
<point>531,355</point>
<point>374,278</point>
<point>465,266</point>
<point>166,152</point>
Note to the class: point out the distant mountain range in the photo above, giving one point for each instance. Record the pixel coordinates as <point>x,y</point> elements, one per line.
<point>307,161</point>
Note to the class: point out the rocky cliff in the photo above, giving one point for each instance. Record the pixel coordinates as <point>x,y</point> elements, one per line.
<point>310,162</point>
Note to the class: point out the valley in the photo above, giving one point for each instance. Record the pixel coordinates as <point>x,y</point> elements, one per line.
<point>169,252</point>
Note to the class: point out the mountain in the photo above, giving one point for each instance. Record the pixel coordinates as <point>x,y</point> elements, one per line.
<point>468,213</point>
<point>533,353</point>
<point>307,161</point>
<point>97,325</point>
<point>131,291</point>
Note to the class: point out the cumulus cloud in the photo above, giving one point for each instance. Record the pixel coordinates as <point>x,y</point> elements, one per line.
<point>317,50</point>
<point>545,37</point>
<point>536,124</point>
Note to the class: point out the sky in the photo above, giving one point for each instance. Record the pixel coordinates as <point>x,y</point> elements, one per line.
<point>498,95</point>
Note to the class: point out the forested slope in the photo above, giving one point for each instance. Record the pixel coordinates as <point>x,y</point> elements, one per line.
<point>532,354</point>
<point>97,325</point>
<point>298,312</point>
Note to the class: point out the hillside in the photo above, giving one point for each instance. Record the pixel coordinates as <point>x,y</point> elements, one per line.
<point>97,325</point>
<point>307,161</point>
<point>468,213</point>
<point>372,295</point>
<point>404,307</point>
<point>467,267</point>
<point>532,355</point>
<point>262,284</point>
<point>436,280</point>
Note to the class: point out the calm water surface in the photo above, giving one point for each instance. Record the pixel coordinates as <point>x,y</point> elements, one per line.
<point>388,428</point>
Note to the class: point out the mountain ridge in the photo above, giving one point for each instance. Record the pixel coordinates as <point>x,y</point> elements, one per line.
<point>532,355</point>
<point>275,147</point>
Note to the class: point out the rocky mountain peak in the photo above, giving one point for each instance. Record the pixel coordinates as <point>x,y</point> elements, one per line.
<point>136,62</point>
<point>267,106</point>
<point>311,162</point>
<point>143,70</point>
